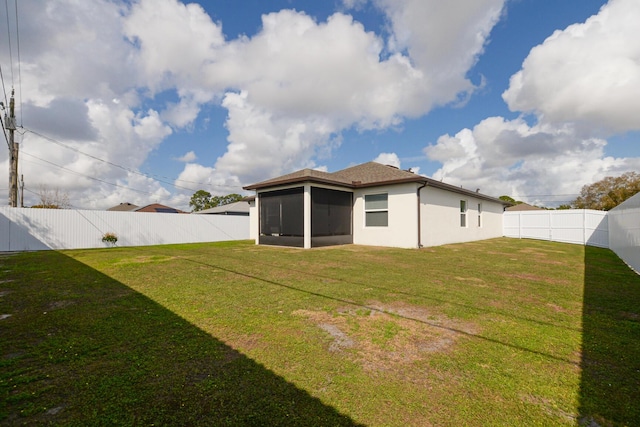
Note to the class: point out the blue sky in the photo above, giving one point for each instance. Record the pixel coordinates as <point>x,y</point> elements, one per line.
<point>149,101</point>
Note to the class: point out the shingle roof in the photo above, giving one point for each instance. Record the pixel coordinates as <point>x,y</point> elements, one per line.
<point>523,207</point>
<point>235,207</point>
<point>365,175</point>
<point>123,207</point>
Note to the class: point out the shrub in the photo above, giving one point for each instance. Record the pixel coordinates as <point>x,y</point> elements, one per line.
<point>110,238</point>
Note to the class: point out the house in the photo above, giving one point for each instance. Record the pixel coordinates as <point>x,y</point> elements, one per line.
<point>158,208</point>
<point>523,207</point>
<point>123,207</point>
<point>154,207</point>
<point>240,208</point>
<point>369,204</point>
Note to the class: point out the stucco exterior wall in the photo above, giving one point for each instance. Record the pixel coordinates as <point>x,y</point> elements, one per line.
<point>402,231</point>
<point>440,214</point>
<point>254,220</point>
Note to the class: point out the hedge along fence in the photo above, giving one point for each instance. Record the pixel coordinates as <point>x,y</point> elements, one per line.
<point>23,229</point>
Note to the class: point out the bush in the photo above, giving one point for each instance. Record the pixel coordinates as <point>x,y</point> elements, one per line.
<point>110,238</point>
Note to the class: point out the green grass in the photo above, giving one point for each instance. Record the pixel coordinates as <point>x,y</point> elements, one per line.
<point>499,332</point>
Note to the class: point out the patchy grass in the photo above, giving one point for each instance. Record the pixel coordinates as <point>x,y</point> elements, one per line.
<point>499,332</point>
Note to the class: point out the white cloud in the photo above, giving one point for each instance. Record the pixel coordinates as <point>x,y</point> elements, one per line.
<point>443,39</point>
<point>189,157</point>
<point>174,40</point>
<point>588,73</point>
<point>581,85</point>
<point>262,144</point>
<point>529,163</point>
<point>390,159</point>
<point>290,90</point>
<point>208,179</point>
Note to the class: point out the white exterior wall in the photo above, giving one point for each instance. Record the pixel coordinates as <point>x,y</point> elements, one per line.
<point>23,229</point>
<point>254,220</point>
<point>624,231</point>
<point>402,231</point>
<point>440,214</point>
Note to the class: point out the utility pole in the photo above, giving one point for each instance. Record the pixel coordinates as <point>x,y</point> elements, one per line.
<point>10,125</point>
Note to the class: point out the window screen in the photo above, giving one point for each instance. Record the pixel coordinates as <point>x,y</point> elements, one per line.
<point>330,212</point>
<point>281,213</point>
<point>376,210</point>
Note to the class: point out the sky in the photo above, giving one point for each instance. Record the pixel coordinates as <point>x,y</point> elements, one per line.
<point>149,101</point>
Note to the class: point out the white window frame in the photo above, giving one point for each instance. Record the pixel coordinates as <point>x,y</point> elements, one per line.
<point>464,207</point>
<point>479,215</point>
<point>376,210</point>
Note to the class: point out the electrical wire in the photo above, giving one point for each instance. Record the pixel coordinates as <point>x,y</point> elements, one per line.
<point>4,132</point>
<point>87,176</point>
<point>6,4</point>
<point>19,66</point>
<point>158,178</point>
<point>4,89</point>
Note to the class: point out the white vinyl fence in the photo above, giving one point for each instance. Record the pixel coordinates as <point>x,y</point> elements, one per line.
<point>578,226</point>
<point>23,229</point>
<point>624,231</point>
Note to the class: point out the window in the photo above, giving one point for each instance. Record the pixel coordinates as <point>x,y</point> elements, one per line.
<point>479,215</point>
<point>376,210</point>
<point>463,213</point>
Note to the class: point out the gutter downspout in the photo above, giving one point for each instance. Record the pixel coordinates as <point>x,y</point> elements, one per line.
<point>419,217</point>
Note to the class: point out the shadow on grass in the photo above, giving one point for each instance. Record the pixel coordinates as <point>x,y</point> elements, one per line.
<point>610,382</point>
<point>91,351</point>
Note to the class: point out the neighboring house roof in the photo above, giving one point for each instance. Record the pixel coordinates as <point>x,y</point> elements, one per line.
<point>523,207</point>
<point>369,174</point>
<point>123,207</point>
<point>158,208</point>
<point>235,208</point>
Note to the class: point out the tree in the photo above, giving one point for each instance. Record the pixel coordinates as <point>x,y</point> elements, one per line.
<point>52,199</point>
<point>510,200</point>
<point>507,199</point>
<point>225,200</point>
<point>202,200</point>
<point>608,193</point>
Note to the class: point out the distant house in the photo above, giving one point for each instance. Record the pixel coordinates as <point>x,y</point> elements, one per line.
<point>123,207</point>
<point>523,207</point>
<point>154,207</point>
<point>369,204</point>
<point>158,208</point>
<point>240,208</point>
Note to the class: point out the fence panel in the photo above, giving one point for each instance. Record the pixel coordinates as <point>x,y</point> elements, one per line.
<point>624,231</point>
<point>39,229</point>
<point>579,226</point>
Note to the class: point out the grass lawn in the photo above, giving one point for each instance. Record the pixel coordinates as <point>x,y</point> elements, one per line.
<point>500,332</point>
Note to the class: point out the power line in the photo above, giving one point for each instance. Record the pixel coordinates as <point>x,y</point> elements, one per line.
<point>4,132</point>
<point>134,171</point>
<point>87,176</point>
<point>19,67</point>
<point>6,4</point>
<point>102,160</point>
<point>4,89</point>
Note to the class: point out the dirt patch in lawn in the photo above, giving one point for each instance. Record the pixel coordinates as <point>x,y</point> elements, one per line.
<point>383,337</point>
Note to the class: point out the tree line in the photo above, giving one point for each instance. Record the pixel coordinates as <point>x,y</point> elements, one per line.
<point>602,195</point>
